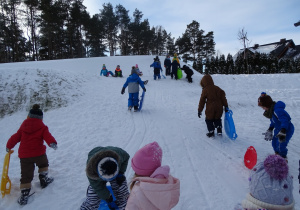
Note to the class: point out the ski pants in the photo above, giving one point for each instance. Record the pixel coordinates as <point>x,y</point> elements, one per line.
<point>168,69</point>
<point>212,124</point>
<point>280,148</point>
<point>133,99</point>
<point>27,169</point>
<point>156,73</point>
<point>174,74</point>
<point>92,200</point>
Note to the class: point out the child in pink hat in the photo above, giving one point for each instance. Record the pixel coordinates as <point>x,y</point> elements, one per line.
<point>152,186</point>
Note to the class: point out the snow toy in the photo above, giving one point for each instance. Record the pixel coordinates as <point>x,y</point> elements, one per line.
<point>142,101</point>
<point>104,205</point>
<point>250,158</point>
<point>179,73</point>
<point>162,74</point>
<point>229,125</point>
<point>5,181</point>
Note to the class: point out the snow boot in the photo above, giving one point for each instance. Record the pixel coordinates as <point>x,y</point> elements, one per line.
<point>23,199</point>
<point>136,108</point>
<point>210,134</point>
<point>129,108</point>
<point>219,131</point>
<point>44,179</point>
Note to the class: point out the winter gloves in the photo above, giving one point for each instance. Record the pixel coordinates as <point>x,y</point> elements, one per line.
<point>281,135</point>
<point>120,178</point>
<point>269,134</point>
<point>111,204</point>
<point>226,109</point>
<point>199,114</point>
<point>123,91</point>
<point>144,89</point>
<point>53,146</point>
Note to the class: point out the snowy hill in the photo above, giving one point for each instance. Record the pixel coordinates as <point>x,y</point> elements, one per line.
<point>85,110</point>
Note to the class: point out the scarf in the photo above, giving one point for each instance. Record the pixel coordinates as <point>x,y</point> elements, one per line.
<point>268,113</point>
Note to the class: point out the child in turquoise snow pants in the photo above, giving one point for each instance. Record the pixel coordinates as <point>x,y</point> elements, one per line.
<point>133,82</point>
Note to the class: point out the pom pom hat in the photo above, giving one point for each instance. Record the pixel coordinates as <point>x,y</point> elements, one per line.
<point>271,187</point>
<point>147,159</point>
<point>35,112</point>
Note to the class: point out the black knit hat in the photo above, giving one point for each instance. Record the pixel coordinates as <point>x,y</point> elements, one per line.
<point>265,101</point>
<point>35,112</point>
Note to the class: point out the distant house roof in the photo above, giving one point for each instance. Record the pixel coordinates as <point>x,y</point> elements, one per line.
<point>283,48</point>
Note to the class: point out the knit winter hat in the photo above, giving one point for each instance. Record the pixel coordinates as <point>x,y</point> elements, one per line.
<point>108,168</point>
<point>133,70</point>
<point>136,66</point>
<point>103,66</point>
<point>265,101</point>
<point>270,183</point>
<point>35,112</point>
<point>147,159</point>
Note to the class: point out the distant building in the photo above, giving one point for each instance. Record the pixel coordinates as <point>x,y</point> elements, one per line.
<point>282,49</point>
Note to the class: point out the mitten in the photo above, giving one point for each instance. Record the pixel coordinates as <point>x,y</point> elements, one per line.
<point>281,135</point>
<point>199,114</point>
<point>144,89</point>
<point>7,150</point>
<point>120,178</point>
<point>123,91</point>
<point>53,146</point>
<point>268,134</point>
<point>112,206</point>
<point>226,108</point>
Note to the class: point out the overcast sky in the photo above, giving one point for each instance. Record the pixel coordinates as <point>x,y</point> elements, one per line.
<point>265,21</point>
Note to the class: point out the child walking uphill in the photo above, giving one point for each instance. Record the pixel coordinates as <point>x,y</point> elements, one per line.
<point>157,68</point>
<point>280,123</point>
<point>105,72</point>
<point>214,98</point>
<point>133,82</point>
<point>152,186</point>
<point>32,151</point>
<point>106,164</point>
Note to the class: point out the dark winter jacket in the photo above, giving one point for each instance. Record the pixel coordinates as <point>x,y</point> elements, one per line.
<point>187,70</point>
<point>31,136</point>
<point>133,82</point>
<point>214,98</point>
<point>97,154</point>
<point>167,63</point>
<point>157,67</point>
<point>175,66</point>
<point>281,119</point>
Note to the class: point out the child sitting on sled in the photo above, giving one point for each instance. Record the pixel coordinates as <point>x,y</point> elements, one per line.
<point>105,72</point>
<point>118,72</point>
<point>106,164</point>
<point>32,151</point>
<point>152,181</point>
<point>133,82</point>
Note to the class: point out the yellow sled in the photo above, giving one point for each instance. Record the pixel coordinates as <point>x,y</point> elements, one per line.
<point>5,189</point>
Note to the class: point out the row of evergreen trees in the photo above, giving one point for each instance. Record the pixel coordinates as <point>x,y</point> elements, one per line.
<point>257,63</point>
<point>60,29</point>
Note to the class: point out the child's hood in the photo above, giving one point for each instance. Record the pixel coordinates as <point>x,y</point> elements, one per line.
<point>279,105</point>
<point>162,193</point>
<point>31,125</point>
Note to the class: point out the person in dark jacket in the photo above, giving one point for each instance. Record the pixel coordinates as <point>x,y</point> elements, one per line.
<point>174,66</point>
<point>133,82</point>
<point>280,123</point>
<point>167,64</point>
<point>32,151</point>
<point>215,99</point>
<point>189,72</point>
<point>106,164</point>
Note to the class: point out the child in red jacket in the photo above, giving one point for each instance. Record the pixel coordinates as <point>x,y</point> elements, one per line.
<point>32,151</point>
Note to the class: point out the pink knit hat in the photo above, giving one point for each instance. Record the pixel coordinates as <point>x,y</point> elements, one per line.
<point>147,159</point>
<point>136,66</point>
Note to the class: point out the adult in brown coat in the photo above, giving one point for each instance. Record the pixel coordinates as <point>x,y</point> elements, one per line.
<point>215,99</point>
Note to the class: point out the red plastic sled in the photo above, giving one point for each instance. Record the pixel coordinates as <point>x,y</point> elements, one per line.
<point>250,158</point>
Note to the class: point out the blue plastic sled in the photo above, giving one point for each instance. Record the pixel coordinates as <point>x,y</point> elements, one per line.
<point>142,101</point>
<point>103,204</point>
<point>229,125</point>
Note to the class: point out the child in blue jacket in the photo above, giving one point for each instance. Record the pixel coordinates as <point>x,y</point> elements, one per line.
<point>280,123</point>
<point>157,68</point>
<point>133,82</point>
<point>105,72</point>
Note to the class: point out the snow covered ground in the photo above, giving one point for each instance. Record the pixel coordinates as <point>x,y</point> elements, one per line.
<point>85,110</point>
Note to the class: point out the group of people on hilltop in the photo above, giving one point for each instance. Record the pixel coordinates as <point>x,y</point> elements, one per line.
<point>271,185</point>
